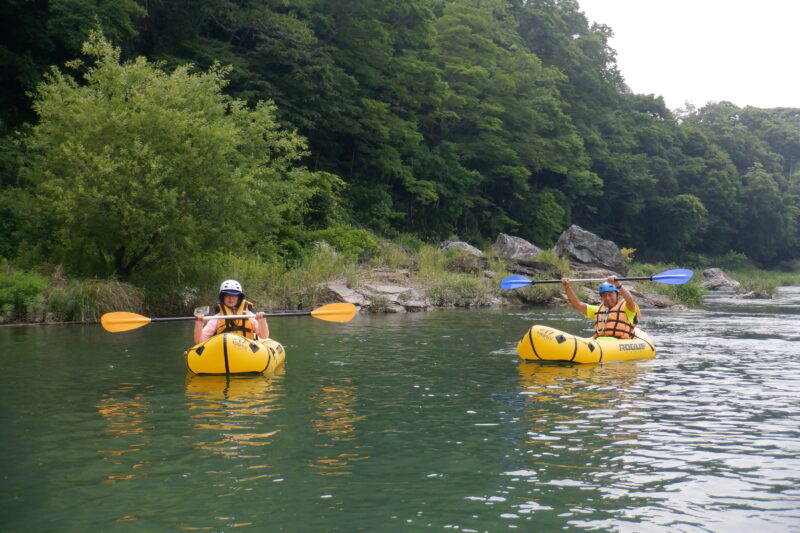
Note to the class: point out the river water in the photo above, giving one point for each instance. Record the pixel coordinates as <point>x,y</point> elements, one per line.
<point>408,423</point>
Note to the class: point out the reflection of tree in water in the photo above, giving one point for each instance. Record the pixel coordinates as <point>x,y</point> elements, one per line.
<point>126,410</point>
<point>232,409</point>
<point>336,423</point>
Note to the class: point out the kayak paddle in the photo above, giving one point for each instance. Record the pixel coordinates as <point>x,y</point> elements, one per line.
<point>124,321</point>
<point>677,276</point>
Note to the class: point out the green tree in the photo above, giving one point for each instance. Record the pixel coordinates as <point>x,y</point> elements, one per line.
<point>35,35</point>
<point>675,222</point>
<point>140,169</point>
<point>766,225</point>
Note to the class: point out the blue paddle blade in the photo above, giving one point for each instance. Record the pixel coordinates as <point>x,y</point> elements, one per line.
<point>514,282</point>
<point>678,276</point>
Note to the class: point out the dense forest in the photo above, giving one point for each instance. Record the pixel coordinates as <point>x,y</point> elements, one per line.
<point>135,134</point>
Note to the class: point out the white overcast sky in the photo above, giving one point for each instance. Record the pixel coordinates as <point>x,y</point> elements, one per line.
<point>700,51</point>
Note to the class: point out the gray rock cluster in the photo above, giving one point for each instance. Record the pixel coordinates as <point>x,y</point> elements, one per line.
<point>589,257</point>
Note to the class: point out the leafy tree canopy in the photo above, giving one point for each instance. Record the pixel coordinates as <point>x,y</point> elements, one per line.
<point>139,168</point>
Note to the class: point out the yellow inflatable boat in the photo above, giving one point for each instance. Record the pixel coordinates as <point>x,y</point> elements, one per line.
<point>542,343</point>
<point>228,353</point>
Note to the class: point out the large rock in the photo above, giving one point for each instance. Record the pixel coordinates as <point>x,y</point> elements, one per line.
<point>461,245</point>
<point>380,297</point>
<point>343,293</point>
<point>716,280</point>
<point>510,247</point>
<point>588,250</point>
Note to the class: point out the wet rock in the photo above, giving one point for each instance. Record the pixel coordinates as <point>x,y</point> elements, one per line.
<point>752,295</point>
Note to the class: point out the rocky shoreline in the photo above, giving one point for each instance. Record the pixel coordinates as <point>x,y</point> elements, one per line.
<point>396,290</point>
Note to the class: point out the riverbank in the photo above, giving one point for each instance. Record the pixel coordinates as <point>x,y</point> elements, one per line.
<point>385,277</point>
<point>395,279</point>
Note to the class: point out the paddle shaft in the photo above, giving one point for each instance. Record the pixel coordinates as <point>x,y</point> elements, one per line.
<point>228,317</point>
<point>639,278</point>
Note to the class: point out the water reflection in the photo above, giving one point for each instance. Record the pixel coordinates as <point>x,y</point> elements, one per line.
<point>232,410</point>
<point>573,416</point>
<point>335,422</point>
<point>126,410</point>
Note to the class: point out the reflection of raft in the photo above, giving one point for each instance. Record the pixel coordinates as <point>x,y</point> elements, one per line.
<point>228,353</point>
<point>542,343</point>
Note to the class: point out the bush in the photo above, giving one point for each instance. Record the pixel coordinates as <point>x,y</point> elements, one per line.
<point>627,254</point>
<point>348,241</point>
<point>393,256</point>
<point>459,291</point>
<point>21,295</point>
<point>690,294</point>
<point>88,300</point>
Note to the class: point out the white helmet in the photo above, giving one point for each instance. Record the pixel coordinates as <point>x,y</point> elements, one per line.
<point>230,286</point>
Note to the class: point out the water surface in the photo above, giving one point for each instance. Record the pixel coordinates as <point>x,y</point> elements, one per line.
<point>409,422</point>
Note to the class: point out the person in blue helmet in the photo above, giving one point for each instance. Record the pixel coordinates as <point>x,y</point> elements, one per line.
<point>616,316</point>
<point>232,301</point>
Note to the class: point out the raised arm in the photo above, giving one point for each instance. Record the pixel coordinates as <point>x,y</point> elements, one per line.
<point>630,302</point>
<point>571,297</point>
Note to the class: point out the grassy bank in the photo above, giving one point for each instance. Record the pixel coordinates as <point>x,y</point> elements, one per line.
<point>450,278</point>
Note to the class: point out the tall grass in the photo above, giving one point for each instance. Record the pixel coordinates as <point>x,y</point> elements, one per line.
<point>767,281</point>
<point>454,278</point>
<point>540,294</point>
<point>271,283</point>
<point>391,255</point>
<point>690,294</point>
<point>88,300</point>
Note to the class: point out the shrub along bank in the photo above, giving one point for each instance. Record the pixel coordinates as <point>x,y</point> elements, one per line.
<point>449,278</point>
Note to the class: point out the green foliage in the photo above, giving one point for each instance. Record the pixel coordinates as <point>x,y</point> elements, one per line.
<point>21,295</point>
<point>349,241</point>
<point>88,300</point>
<point>139,168</point>
<point>764,281</point>
<point>392,256</point>
<point>676,221</point>
<point>36,35</point>
<point>442,117</point>
<point>732,260</point>
<point>431,262</point>
<point>690,294</point>
<point>765,228</point>
<point>273,283</point>
<point>627,254</point>
<point>460,290</point>
<point>560,264</point>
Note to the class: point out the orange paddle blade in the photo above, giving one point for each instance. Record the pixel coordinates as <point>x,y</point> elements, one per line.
<point>122,321</point>
<point>335,312</point>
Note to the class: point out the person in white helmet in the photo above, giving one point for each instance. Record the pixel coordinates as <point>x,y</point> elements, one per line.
<point>232,301</point>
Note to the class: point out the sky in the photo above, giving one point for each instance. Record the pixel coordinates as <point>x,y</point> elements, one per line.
<point>700,51</point>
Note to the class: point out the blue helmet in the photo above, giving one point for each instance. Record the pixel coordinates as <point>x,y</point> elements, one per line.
<point>607,287</point>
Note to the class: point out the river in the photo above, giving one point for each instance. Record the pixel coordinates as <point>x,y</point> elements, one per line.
<point>409,422</point>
